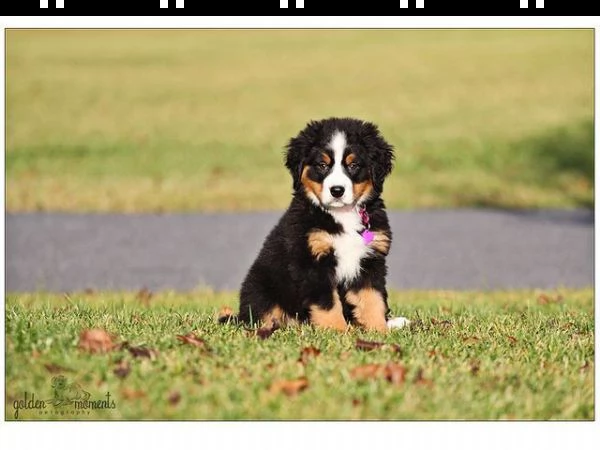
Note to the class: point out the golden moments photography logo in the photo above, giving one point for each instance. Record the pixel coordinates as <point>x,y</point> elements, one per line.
<point>68,399</point>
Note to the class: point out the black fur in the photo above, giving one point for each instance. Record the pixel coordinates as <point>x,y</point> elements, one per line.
<point>285,273</point>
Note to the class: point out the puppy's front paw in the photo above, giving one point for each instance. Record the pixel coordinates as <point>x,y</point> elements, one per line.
<point>397,322</point>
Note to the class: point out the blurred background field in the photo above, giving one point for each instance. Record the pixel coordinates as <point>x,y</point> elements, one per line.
<point>196,120</point>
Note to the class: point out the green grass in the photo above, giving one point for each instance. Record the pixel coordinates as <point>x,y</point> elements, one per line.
<point>497,355</point>
<point>175,120</point>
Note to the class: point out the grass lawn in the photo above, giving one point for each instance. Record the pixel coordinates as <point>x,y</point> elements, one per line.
<point>502,355</point>
<point>176,120</point>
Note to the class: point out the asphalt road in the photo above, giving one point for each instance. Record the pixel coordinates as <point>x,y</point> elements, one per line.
<point>440,249</point>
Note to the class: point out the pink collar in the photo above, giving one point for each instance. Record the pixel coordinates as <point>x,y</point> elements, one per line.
<point>366,234</point>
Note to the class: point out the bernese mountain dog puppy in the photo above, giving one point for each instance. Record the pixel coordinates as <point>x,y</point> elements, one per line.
<point>324,262</point>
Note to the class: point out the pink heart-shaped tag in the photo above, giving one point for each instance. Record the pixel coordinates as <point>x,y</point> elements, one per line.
<point>367,236</point>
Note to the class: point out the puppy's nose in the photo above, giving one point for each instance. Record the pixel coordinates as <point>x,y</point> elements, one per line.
<point>337,191</point>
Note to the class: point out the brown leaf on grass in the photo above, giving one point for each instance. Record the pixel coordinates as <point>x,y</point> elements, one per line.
<point>307,353</point>
<point>95,341</point>
<point>585,367</point>
<point>122,370</point>
<point>55,368</point>
<point>132,394</point>
<point>289,387</point>
<point>140,352</point>
<point>442,323</point>
<point>370,345</point>
<point>356,402</point>
<point>174,398</point>
<point>513,340</point>
<point>193,339</point>
<point>420,380</point>
<point>367,345</point>
<point>367,371</point>
<point>394,373</point>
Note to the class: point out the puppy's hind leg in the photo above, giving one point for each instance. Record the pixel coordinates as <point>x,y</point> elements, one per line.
<point>330,314</point>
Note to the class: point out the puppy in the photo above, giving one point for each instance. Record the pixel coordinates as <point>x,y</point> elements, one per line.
<point>324,262</point>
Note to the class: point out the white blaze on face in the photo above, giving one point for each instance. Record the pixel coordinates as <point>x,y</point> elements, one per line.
<point>337,176</point>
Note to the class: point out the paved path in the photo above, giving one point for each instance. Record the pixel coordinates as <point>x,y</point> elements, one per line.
<point>442,249</point>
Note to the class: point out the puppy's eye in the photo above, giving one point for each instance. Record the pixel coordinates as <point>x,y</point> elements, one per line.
<point>322,166</point>
<point>353,167</point>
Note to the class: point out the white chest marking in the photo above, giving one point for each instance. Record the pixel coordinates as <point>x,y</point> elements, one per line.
<point>349,247</point>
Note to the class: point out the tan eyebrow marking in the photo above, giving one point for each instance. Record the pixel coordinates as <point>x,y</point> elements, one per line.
<point>351,157</point>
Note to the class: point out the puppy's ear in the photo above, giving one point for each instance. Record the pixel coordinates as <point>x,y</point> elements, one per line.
<point>294,161</point>
<point>298,149</point>
<point>380,153</point>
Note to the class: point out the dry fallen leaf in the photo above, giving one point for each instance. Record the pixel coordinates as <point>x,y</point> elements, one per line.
<point>289,387</point>
<point>122,369</point>
<point>443,323</point>
<point>95,341</point>
<point>394,373</point>
<point>55,368</point>
<point>512,339</point>
<point>367,345</point>
<point>130,394</point>
<point>174,398</point>
<point>193,339</point>
<point>140,352</point>
<point>307,353</point>
<point>370,345</point>
<point>367,371</point>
